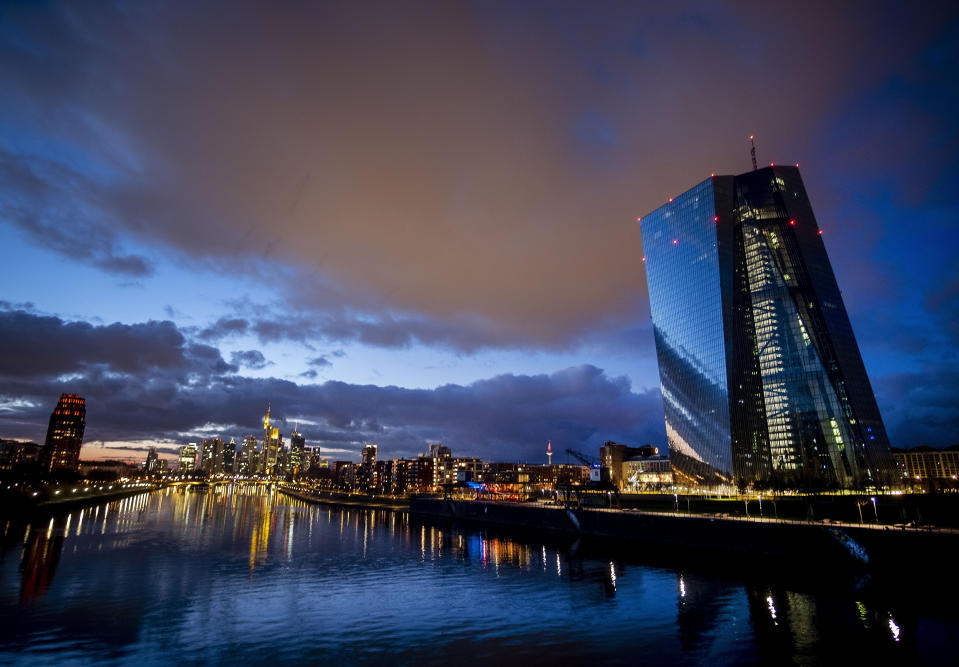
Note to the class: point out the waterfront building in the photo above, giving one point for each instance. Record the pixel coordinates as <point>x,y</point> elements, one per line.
<point>298,456</point>
<point>61,449</point>
<point>187,460</point>
<point>398,472</point>
<point>151,465</point>
<point>229,457</point>
<point>211,456</point>
<point>14,454</point>
<point>926,463</point>
<point>246,461</point>
<point>635,468</point>
<point>761,376</point>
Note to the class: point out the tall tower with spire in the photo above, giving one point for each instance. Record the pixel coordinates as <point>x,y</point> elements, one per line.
<point>271,439</point>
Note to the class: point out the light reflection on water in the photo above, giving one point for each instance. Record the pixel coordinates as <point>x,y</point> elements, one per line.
<point>244,573</point>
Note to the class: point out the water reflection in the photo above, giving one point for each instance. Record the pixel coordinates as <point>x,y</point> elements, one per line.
<point>176,563</point>
<point>40,556</point>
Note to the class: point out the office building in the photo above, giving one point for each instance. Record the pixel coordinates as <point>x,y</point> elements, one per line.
<point>271,444</point>
<point>187,460</point>
<point>61,449</point>
<point>761,376</point>
<point>298,458</point>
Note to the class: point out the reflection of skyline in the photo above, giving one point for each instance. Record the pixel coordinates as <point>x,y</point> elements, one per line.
<point>175,564</point>
<point>40,557</point>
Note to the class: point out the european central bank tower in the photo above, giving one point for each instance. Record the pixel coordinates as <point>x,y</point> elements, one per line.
<point>762,381</point>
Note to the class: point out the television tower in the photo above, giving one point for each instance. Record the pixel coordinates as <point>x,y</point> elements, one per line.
<point>549,452</point>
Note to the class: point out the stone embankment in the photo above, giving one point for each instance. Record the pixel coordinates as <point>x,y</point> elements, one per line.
<point>748,538</point>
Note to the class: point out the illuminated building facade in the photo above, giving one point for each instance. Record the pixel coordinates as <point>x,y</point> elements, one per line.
<point>271,443</point>
<point>246,463</point>
<point>61,450</point>
<point>188,458</point>
<point>152,464</point>
<point>298,458</point>
<point>761,376</point>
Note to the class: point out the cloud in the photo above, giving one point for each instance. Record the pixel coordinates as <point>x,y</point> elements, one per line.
<point>319,362</point>
<point>250,359</point>
<point>149,382</point>
<point>484,197</point>
<point>224,327</point>
<point>34,199</point>
<point>39,346</point>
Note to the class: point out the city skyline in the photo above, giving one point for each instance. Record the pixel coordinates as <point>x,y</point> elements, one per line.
<point>405,229</point>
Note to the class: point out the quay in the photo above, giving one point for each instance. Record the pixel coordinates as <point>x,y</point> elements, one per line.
<point>751,538</point>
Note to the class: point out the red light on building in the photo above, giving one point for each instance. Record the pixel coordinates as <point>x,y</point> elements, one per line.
<point>771,164</point>
<point>712,175</point>
<point>644,258</point>
<point>819,232</point>
<point>670,200</point>
<point>797,165</point>
<point>639,219</point>
<point>715,218</point>
<point>675,241</point>
<point>792,222</point>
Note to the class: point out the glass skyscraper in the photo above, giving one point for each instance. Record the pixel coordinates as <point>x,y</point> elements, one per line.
<point>762,379</point>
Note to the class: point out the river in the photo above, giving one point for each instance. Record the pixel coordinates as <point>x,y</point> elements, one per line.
<point>244,574</point>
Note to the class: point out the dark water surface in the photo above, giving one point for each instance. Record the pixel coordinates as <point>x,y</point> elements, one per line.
<point>245,575</point>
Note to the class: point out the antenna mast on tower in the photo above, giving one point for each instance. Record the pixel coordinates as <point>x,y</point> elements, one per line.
<point>752,152</point>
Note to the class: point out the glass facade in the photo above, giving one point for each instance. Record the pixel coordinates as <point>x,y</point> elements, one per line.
<point>761,376</point>
<point>683,275</point>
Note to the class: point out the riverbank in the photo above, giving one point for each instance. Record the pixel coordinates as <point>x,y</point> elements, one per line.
<point>345,499</point>
<point>67,499</point>
<point>748,538</point>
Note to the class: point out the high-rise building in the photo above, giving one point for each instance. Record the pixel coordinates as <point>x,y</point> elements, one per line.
<point>188,458</point>
<point>761,376</point>
<point>271,443</point>
<point>298,458</point>
<point>152,463</point>
<point>247,460</point>
<point>229,457</point>
<point>211,454</point>
<point>61,450</point>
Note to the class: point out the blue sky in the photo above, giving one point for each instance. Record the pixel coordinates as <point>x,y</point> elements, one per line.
<point>409,224</point>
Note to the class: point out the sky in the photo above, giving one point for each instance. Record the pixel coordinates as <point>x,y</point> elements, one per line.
<point>415,222</point>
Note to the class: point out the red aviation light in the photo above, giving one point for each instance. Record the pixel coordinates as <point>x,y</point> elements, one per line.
<point>797,165</point>
<point>644,258</point>
<point>771,164</point>
<point>819,232</point>
<point>670,200</point>
<point>715,218</point>
<point>675,241</point>
<point>792,222</point>
<point>712,175</point>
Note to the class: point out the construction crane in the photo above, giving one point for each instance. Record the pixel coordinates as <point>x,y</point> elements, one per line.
<point>752,152</point>
<point>583,458</point>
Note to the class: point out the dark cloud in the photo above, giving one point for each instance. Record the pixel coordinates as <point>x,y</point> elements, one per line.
<point>37,346</point>
<point>224,327</point>
<point>319,362</point>
<point>148,382</point>
<point>250,359</point>
<point>921,408</point>
<point>466,176</point>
